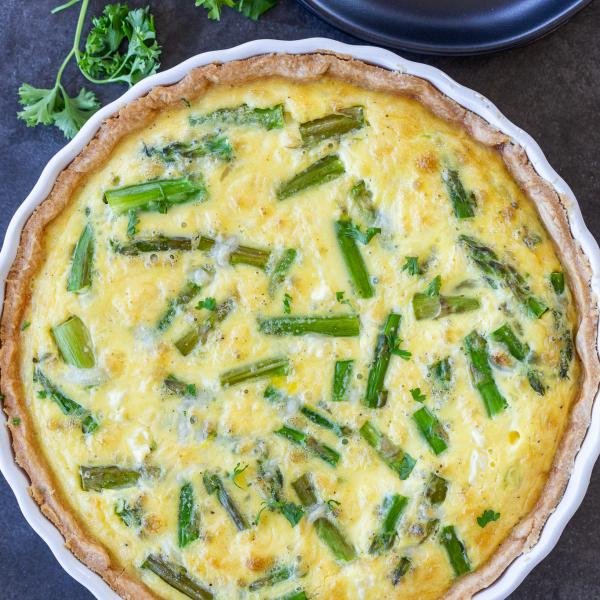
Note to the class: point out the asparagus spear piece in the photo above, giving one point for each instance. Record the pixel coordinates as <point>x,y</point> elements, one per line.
<point>335,124</point>
<point>400,570</point>
<point>376,394</point>
<point>131,516</point>
<point>319,419</point>
<point>487,260</point>
<point>393,507</point>
<point>80,275</point>
<point>456,551</point>
<point>109,477</point>
<point>181,388</point>
<point>188,528</point>
<point>437,488</point>
<point>334,325</point>
<point>158,195</point>
<point>557,279</point>
<point>342,377</point>
<point>275,575</point>
<point>74,343</point>
<point>481,374</point>
<point>362,197</point>
<point>441,373</point>
<point>66,405</point>
<point>214,144</point>
<point>395,458</point>
<point>247,255</point>
<point>327,531</point>
<point>199,333</point>
<point>355,264</point>
<point>214,485</point>
<point>324,170</point>
<point>177,577</point>
<point>431,305</point>
<point>535,382</point>
<point>270,480</point>
<point>506,336</point>
<point>281,269</point>
<point>185,296</point>
<point>463,203</point>
<point>268,367</point>
<point>296,595</point>
<point>431,429</point>
<point>304,440</point>
<point>267,118</point>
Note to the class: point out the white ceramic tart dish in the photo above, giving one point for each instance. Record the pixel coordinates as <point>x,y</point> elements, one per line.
<point>299,320</point>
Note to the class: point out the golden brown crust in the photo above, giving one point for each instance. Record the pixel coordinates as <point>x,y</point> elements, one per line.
<point>137,115</point>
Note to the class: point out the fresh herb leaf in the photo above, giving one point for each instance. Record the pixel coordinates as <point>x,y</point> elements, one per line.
<point>207,303</point>
<point>15,421</point>
<point>214,7</point>
<point>417,395</point>
<point>102,60</point>
<point>487,516</point>
<point>355,232</point>
<point>411,265</point>
<point>287,303</point>
<point>25,325</point>
<point>254,9</point>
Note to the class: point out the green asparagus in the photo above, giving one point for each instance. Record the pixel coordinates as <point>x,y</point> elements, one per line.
<point>437,488</point>
<point>268,367</point>
<point>324,170</point>
<point>270,480</point>
<point>254,257</point>
<point>280,269</point>
<point>69,407</point>
<point>463,202</point>
<point>177,577</point>
<point>362,197</point>
<point>557,279</point>
<point>481,374</point>
<point>188,528</point>
<point>296,595</point>
<point>80,275</point>
<point>487,260</point>
<point>400,570</point>
<point>323,421</point>
<point>131,516</point>
<point>185,296</point>
<point>376,394</point>
<point>334,325</point>
<point>275,575</point>
<point>457,553</point>
<point>267,118</point>
<point>441,373</point>
<point>215,145</point>
<point>399,461</point>
<point>393,507</point>
<point>333,125</point>
<point>110,477</point>
<point>431,305</point>
<point>199,333</point>
<point>355,264</point>
<point>214,485</point>
<point>431,429</point>
<point>158,195</point>
<point>304,440</point>
<point>342,378</point>
<point>74,343</point>
<point>326,530</point>
<point>506,336</point>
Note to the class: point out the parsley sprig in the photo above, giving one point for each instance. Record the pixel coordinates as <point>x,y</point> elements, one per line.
<point>252,9</point>
<point>101,62</point>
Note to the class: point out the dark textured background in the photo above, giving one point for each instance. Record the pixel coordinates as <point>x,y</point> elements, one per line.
<point>550,88</point>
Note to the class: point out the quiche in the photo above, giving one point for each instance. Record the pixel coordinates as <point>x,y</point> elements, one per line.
<point>298,327</point>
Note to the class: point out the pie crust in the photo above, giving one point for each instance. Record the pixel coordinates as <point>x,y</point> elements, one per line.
<point>138,114</point>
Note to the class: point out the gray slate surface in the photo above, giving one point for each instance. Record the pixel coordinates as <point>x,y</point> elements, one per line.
<point>550,88</point>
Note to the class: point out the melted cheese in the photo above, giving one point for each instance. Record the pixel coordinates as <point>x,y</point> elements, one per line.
<point>500,463</point>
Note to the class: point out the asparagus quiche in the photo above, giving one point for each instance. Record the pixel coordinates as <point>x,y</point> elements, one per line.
<point>298,327</point>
